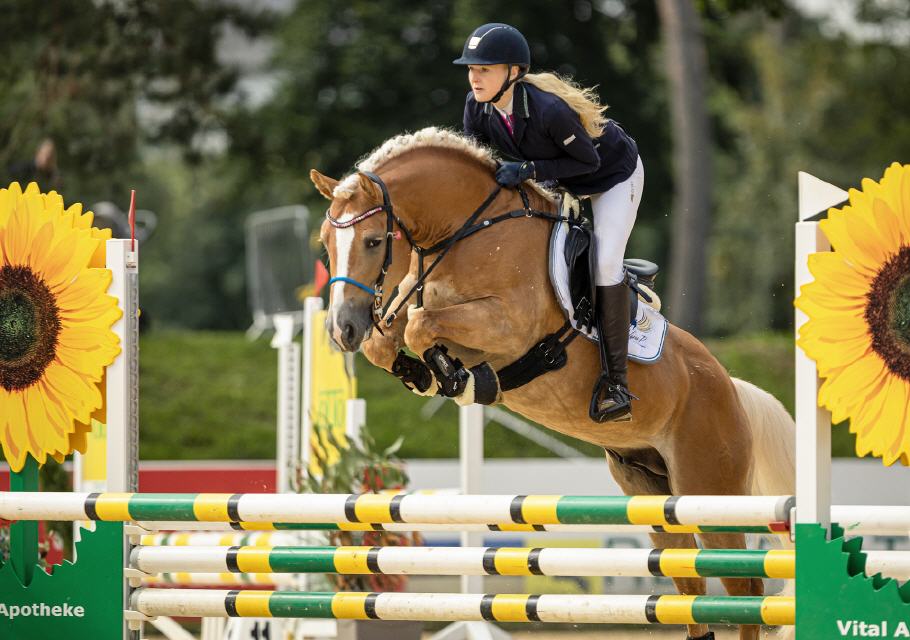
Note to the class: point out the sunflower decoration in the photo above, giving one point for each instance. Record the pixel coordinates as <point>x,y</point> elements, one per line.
<point>55,324</point>
<point>858,330</point>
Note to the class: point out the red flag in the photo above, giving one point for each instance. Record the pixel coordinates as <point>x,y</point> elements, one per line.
<point>320,277</point>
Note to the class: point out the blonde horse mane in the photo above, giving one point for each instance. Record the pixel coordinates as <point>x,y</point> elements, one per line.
<point>429,137</point>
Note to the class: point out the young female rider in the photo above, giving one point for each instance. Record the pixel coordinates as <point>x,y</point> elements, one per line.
<point>556,131</point>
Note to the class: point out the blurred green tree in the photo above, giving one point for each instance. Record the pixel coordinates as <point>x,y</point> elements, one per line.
<point>88,74</point>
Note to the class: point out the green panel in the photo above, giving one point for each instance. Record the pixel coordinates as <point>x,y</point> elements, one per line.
<point>301,605</point>
<point>736,529</point>
<point>833,597</point>
<point>159,507</point>
<point>733,563</point>
<point>593,510</point>
<point>92,587</point>
<point>23,543</point>
<point>302,559</point>
<point>740,610</point>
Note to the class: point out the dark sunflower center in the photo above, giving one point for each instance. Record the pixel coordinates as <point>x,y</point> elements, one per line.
<point>29,326</point>
<point>888,313</point>
<point>17,326</point>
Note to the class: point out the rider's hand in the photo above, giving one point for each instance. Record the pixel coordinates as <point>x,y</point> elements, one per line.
<point>511,174</point>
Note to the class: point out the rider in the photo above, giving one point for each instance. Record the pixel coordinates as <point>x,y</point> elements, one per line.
<point>556,131</point>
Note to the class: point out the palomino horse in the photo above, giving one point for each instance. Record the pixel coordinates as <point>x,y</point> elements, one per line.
<point>694,429</point>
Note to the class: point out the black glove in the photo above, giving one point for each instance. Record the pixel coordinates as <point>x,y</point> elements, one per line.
<point>511,174</point>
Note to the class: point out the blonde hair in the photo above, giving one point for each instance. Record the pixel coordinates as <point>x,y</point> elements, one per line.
<point>583,101</point>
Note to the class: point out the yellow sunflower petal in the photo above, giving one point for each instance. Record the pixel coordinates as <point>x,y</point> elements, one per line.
<point>891,186</point>
<point>828,267</point>
<point>86,288</point>
<point>841,325</point>
<point>888,227</point>
<point>40,245</point>
<point>14,241</point>
<point>60,254</point>
<point>13,429</point>
<point>823,294</point>
<point>7,204</point>
<point>99,258</point>
<point>814,309</point>
<point>83,248</point>
<point>845,244</point>
<point>846,387</point>
<point>79,395</point>
<point>892,416</point>
<point>903,209</point>
<point>869,411</point>
<point>848,351</point>
<point>867,238</point>
<point>900,440</point>
<point>52,439</point>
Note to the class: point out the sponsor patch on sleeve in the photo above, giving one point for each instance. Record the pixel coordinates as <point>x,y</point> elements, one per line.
<point>568,140</point>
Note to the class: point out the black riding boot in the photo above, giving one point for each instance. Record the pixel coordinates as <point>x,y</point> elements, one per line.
<point>611,399</point>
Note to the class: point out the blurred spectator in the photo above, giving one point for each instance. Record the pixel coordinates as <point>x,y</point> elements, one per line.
<point>41,169</point>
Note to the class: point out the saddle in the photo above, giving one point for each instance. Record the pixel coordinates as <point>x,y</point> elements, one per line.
<point>580,257</point>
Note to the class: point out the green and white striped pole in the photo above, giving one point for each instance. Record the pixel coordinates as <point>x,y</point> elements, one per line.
<point>576,609</point>
<point>474,561</point>
<point>663,511</point>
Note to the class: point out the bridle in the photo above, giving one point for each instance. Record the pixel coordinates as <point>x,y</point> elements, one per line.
<point>391,220</point>
<point>442,247</point>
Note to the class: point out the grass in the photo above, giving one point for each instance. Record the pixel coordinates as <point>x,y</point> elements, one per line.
<point>212,395</point>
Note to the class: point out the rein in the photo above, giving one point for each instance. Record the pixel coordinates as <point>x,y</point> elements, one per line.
<point>470,227</point>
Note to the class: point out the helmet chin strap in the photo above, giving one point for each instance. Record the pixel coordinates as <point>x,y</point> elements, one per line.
<point>508,82</point>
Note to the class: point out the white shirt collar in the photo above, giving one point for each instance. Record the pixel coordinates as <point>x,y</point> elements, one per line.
<point>508,110</point>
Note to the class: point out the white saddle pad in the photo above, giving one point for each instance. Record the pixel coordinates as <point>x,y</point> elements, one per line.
<point>646,334</point>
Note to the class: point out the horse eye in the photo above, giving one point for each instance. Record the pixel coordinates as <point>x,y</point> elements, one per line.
<point>372,243</point>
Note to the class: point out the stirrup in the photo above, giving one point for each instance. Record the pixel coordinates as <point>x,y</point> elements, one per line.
<point>610,402</point>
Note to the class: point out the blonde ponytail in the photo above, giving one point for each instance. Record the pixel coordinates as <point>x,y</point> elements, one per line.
<point>582,101</point>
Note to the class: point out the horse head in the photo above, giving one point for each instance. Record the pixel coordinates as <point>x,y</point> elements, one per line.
<point>356,236</point>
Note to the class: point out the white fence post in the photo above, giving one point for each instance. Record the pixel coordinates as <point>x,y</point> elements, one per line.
<point>813,424</point>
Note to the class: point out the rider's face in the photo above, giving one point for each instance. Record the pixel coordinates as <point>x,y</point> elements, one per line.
<point>486,80</point>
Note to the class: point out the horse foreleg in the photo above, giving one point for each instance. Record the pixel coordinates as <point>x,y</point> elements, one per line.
<point>476,330</point>
<point>381,349</point>
<point>384,349</point>
<point>484,325</point>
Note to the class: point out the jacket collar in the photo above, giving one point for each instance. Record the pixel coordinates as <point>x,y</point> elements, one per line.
<point>519,102</point>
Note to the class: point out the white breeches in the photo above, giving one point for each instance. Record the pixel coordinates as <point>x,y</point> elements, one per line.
<point>614,215</point>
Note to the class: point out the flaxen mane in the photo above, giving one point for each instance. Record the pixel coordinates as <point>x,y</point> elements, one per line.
<point>435,137</point>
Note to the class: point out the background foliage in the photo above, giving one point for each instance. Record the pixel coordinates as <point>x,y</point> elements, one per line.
<point>197,403</point>
<point>214,110</point>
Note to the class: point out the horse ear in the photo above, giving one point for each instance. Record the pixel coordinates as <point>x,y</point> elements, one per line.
<point>369,187</point>
<point>324,184</point>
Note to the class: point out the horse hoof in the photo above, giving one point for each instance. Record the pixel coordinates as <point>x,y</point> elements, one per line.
<point>707,636</point>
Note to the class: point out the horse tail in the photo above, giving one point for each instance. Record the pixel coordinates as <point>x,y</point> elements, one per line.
<point>773,441</point>
<point>774,469</point>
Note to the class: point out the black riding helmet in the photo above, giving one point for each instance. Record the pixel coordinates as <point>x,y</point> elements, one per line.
<point>497,43</point>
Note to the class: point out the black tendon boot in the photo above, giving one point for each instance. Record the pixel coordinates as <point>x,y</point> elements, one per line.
<point>611,399</point>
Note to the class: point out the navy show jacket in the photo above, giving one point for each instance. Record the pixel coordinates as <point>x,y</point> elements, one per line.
<point>548,132</point>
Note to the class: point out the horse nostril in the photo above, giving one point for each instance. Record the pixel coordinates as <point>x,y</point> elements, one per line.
<point>347,334</point>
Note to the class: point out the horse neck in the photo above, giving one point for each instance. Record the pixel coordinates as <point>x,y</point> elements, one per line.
<point>435,193</point>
